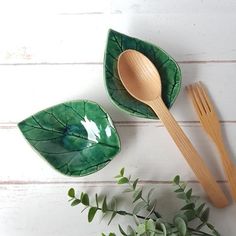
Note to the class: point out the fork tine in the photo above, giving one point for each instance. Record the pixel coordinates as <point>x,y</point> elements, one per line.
<point>195,98</point>
<point>202,98</point>
<point>211,125</point>
<point>206,97</point>
<point>191,94</point>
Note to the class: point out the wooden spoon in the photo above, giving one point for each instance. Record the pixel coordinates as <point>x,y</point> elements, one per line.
<point>142,80</point>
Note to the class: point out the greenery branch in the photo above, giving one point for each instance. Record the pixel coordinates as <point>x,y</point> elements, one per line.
<point>150,222</point>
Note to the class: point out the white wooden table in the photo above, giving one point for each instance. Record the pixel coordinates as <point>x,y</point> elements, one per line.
<point>52,51</point>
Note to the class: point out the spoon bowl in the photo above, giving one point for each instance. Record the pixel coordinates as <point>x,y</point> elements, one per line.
<point>142,80</point>
<point>142,83</point>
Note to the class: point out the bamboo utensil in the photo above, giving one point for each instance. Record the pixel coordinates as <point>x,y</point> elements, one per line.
<point>142,80</point>
<point>210,123</point>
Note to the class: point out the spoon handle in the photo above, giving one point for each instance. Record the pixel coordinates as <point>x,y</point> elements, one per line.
<point>195,161</point>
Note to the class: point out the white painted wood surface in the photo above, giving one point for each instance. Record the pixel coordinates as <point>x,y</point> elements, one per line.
<point>52,51</point>
<point>44,210</point>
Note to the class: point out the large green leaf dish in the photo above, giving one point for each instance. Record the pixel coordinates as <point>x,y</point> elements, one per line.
<point>77,138</point>
<point>169,71</point>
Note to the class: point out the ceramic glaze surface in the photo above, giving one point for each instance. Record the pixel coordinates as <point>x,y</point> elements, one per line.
<point>169,72</point>
<point>77,138</point>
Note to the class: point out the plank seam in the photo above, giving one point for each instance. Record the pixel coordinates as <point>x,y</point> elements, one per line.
<point>80,13</point>
<point>95,183</point>
<point>13,125</point>
<point>101,63</point>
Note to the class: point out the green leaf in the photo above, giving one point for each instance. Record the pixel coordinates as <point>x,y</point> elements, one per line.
<point>96,199</point>
<point>138,207</point>
<point>200,226</point>
<point>122,231</point>
<point>91,213</point>
<point>136,220</point>
<point>179,190</point>
<point>103,234</point>
<point>104,205</point>
<point>150,225</point>
<point>169,73</point>
<point>141,229</point>
<point>131,231</point>
<point>189,193</point>
<point>112,234</point>
<point>181,226</point>
<point>182,216</point>
<point>163,227</point>
<point>135,184</point>
<point>112,217</point>
<point>149,194</point>
<point>176,179</point>
<point>128,190</point>
<point>183,185</point>
<point>200,208</point>
<point>75,202</point>
<point>71,193</point>
<point>122,171</point>
<point>190,214</point>
<point>77,138</point>
<point>113,204</point>
<point>216,233</point>
<point>137,195</point>
<point>210,226</point>
<point>181,196</point>
<point>123,180</point>
<point>205,215</point>
<point>81,195</point>
<point>85,199</point>
<point>151,208</point>
<point>189,206</point>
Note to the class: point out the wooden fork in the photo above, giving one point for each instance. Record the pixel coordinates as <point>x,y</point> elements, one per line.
<point>211,125</point>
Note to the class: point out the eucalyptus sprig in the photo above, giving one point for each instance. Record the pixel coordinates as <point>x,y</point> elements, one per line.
<point>150,222</point>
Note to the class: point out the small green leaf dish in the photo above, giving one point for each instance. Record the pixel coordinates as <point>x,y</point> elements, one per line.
<point>169,71</point>
<point>77,138</point>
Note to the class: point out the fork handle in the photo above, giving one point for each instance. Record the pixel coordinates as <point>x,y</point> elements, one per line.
<point>198,166</point>
<point>228,166</point>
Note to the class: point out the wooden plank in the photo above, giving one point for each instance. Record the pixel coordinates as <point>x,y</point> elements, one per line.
<point>27,8</point>
<point>35,210</point>
<point>176,7</point>
<point>61,36</point>
<point>25,90</point>
<point>147,149</point>
<point>53,39</point>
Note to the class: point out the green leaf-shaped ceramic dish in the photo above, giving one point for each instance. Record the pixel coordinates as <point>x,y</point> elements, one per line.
<point>169,71</point>
<point>77,138</point>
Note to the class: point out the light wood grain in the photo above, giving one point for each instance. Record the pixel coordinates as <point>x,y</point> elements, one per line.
<point>37,87</point>
<point>27,210</point>
<point>210,122</point>
<point>142,80</point>
<point>190,154</point>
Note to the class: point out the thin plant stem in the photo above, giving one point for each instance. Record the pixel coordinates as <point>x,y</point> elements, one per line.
<point>120,212</point>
